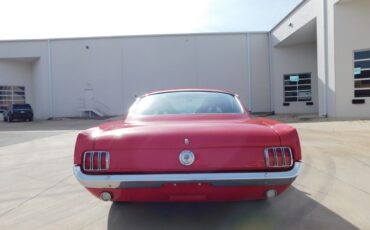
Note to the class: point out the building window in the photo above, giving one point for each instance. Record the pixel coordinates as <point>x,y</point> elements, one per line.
<point>361,73</point>
<point>297,87</point>
<point>11,95</point>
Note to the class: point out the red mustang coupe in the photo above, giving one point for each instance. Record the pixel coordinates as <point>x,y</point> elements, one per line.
<point>187,145</point>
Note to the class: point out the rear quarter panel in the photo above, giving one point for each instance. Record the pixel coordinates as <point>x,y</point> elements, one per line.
<point>288,135</point>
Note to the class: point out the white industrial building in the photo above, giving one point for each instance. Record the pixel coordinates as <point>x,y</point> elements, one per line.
<point>316,60</point>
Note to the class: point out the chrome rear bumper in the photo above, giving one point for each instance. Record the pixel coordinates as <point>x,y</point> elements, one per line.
<point>215,179</point>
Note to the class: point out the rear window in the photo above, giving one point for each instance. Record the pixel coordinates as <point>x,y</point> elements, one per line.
<point>24,106</point>
<point>186,103</point>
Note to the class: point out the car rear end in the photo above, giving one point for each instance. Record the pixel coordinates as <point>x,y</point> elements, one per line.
<point>20,112</point>
<point>187,145</point>
<point>230,162</point>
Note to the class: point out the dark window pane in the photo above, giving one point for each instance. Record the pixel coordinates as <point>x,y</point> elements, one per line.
<point>307,81</point>
<point>19,93</point>
<point>362,64</point>
<point>363,74</point>
<point>18,98</point>
<point>5,93</point>
<point>291,93</point>
<point>362,93</point>
<point>286,77</point>
<point>291,88</point>
<point>362,84</point>
<point>290,83</point>
<point>362,54</point>
<point>19,102</point>
<point>5,88</point>
<point>304,87</point>
<point>18,88</point>
<point>304,99</point>
<point>5,98</point>
<point>305,76</point>
<point>288,99</point>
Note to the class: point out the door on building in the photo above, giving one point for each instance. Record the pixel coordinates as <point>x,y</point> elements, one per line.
<point>11,95</point>
<point>89,98</point>
<point>297,88</point>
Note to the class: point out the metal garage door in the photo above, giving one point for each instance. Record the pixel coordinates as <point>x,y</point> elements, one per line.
<point>11,95</point>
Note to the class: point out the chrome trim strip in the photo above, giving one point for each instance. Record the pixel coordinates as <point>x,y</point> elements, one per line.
<point>84,161</point>
<point>91,161</point>
<point>99,160</point>
<point>267,158</point>
<point>216,179</point>
<point>107,160</point>
<point>275,156</point>
<point>291,157</point>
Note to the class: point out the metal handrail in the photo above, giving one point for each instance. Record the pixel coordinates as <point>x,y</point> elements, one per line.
<point>95,105</point>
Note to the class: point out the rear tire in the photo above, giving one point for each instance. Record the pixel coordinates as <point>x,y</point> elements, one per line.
<point>10,119</point>
<point>30,119</point>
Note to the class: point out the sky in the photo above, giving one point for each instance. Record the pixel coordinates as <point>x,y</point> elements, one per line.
<point>35,19</point>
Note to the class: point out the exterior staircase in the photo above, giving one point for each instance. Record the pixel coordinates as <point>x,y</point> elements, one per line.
<point>93,109</point>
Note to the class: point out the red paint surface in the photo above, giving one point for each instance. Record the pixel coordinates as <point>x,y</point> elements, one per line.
<point>190,192</point>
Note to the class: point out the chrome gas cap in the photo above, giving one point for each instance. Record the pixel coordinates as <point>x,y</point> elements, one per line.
<point>186,157</point>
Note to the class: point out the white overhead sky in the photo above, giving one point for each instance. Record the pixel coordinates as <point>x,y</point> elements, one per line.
<point>27,19</point>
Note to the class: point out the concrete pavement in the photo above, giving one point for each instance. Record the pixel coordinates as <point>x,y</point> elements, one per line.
<point>38,190</point>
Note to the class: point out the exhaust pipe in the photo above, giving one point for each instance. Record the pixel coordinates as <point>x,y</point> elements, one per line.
<point>271,193</point>
<point>105,196</point>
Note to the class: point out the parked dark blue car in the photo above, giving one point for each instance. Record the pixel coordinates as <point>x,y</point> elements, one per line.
<point>18,112</point>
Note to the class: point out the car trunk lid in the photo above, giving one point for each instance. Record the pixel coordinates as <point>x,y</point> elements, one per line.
<point>217,145</point>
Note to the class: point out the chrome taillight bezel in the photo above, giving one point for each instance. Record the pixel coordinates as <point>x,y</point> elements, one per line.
<point>283,151</point>
<point>91,166</point>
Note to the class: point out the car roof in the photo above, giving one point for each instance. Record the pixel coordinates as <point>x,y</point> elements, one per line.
<point>20,104</point>
<point>188,90</point>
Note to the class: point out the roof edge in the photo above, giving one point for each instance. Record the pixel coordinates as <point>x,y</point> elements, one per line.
<point>289,14</point>
<point>133,36</point>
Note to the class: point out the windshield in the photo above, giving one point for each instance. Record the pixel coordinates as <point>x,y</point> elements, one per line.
<point>22,106</point>
<point>186,103</point>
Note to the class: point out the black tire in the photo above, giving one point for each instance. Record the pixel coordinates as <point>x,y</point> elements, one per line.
<point>30,119</point>
<point>5,119</point>
<point>10,119</point>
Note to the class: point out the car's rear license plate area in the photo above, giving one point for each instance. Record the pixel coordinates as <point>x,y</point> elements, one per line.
<point>187,191</point>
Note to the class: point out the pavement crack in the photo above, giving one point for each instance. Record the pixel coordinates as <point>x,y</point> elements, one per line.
<point>35,196</point>
<point>339,179</point>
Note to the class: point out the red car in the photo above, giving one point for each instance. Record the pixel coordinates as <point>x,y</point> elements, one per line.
<point>187,145</point>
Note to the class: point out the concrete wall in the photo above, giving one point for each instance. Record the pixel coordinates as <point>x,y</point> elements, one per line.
<point>118,69</point>
<point>292,59</point>
<point>196,61</point>
<point>293,49</point>
<point>299,17</point>
<point>86,64</point>
<point>326,57</point>
<point>259,72</point>
<point>351,33</point>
